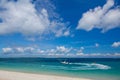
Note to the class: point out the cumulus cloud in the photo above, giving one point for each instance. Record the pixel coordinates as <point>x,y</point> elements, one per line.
<point>7,50</point>
<point>18,50</point>
<point>105,18</point>
<point>116,44</point>
<point>80,51</point>
<point>40,51</point>
<point>59,51</point>
<point>63,49</point>
<point>23,16</point>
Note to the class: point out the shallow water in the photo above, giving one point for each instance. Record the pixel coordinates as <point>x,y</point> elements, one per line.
<point>98,69</point>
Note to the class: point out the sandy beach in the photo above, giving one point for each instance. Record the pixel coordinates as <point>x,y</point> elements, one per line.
<point>9,75</point>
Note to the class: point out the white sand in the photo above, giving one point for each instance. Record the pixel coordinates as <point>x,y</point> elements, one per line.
<point>9,75</point>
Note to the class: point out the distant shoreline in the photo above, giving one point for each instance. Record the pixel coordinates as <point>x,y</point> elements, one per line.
<point>11,75</point>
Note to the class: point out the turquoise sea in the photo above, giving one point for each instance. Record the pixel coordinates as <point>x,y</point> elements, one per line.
<point>94,68</point>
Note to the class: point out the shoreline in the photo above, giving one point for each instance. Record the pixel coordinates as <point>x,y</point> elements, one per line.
<point>11,75</point>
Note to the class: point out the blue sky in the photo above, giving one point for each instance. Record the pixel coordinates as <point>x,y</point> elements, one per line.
<point>60,28</point>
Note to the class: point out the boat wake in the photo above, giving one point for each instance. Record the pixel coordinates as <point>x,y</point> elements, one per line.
<point>86,66</point>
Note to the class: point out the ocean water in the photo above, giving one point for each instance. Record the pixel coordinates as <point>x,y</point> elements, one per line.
<point>93,68</point>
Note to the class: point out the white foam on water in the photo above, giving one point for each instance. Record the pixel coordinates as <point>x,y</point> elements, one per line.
<point>101,66</point>
<point>88,66</point>
<point>77,66</point>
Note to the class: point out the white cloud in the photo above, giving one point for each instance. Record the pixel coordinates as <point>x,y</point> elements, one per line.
<point>59,51</point>
<point>82,48</point>
<point>105,18</point>
<point>29,49</point>
<point>7,50</point>
<point>95,55</point>
<point>116,44</point>
<point>117,54</point>
<point>67,33</point>
<point>20,49</point>
<point>80,52</point>
<point>40,51</point>
<point>22,17</point>
<point>63,49</point>
<point>96,45</point>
